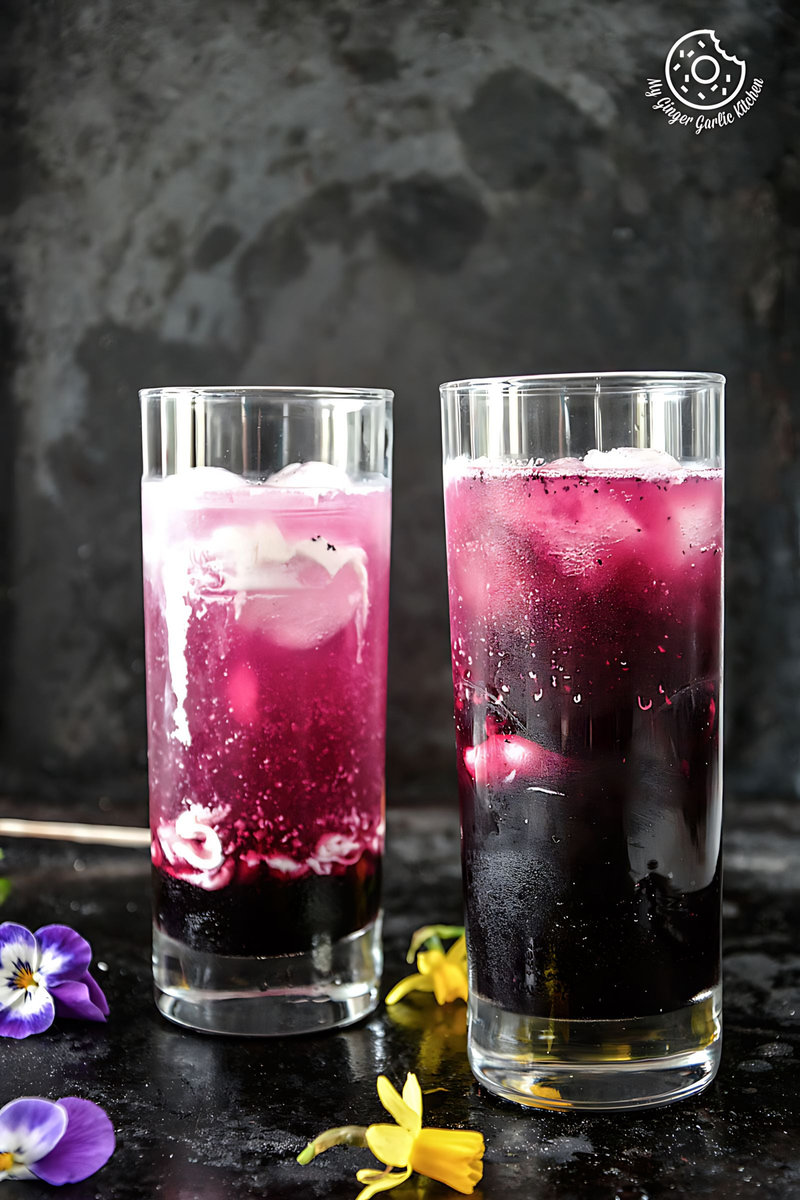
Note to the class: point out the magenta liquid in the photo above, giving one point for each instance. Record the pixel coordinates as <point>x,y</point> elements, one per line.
<point>586,610</point>
<point>266,632</point>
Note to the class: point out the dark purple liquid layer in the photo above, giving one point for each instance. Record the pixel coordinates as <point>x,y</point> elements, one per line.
<point>558,923</point>
<point>268,916</point>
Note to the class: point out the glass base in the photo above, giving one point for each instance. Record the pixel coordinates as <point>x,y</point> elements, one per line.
<point>332,985</point>
<point>634,1063</point>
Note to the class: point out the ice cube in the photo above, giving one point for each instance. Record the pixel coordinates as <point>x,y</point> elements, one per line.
<point>171,506</point>
<point>311,476</point>
<point>582,537</point>
<point>174,506</point>
<point>299,594</point>
<point>559,466</point>
<point>204,481</point>
<point>303,605</point>
<point>692,539</point>
<point>657,830</point>
<point>633,460</point>
<point>698,510</point>
<point>488,564</point>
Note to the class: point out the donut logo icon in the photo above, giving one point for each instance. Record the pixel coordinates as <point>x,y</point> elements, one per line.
<point>700,74</point>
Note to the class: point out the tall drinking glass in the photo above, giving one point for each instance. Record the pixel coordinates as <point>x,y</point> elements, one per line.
<point>266,515</point>
<point>584,545</point>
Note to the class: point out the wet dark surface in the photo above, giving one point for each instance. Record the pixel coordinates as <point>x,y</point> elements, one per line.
<point>202,1118</point>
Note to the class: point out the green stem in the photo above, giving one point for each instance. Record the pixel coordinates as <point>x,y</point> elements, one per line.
<point>432,933</point>
<point>345,1135</point>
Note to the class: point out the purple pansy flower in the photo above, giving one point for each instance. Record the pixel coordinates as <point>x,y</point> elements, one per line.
<point>45,975</point>
<point>58,1142</point>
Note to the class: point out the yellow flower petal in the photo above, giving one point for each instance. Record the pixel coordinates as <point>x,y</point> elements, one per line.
<point>412,1094</point>
<point>449,983</point>
<point>457,954</point>
<point>391,1144</point>
<point>411,983</point>
<point>379,1181</point>
<point>429,961</point>
<point>451,1156</point>
<point>397,1107</point>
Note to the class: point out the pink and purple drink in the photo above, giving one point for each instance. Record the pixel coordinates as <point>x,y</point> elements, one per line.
<point>266,606</point>
<point>585,597</point>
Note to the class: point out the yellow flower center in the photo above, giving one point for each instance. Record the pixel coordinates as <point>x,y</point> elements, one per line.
<point>6,1162</point>
<point>24,977</point>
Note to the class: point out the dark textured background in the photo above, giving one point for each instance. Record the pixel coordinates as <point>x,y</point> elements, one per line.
<point>385,194</point>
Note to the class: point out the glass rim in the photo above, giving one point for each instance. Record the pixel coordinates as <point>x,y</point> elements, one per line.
<point>588,380</point>
<point>270,392</point>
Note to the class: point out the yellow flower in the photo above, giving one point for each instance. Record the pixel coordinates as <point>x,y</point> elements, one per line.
<point>451,1156</point>
<point>444,974</point>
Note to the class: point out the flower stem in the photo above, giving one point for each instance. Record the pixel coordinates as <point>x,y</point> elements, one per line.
<point>432,933</point>
<point>345,1135</point>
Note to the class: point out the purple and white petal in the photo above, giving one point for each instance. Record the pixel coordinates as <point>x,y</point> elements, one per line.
<point>16,984</point>
<point>17,1171</point>
<point>25,1004</point>
<point>96,994</point>
<point>10,991</point>
<point>85,1147</point>
<point>31,1128</point>
<point>73,999</point>
<point>31,1011</point>
<point>16,943</point>
<point>64,953</point>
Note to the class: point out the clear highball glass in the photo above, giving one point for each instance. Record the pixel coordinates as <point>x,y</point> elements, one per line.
<point>584,544</point>
<point>266,522</point>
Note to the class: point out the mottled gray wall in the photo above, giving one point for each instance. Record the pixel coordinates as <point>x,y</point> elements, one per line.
<point>372,194</point>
